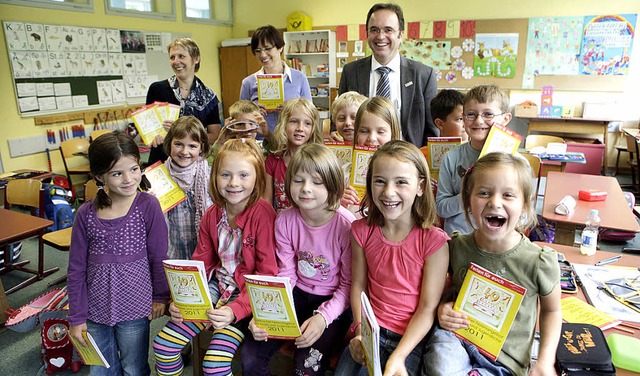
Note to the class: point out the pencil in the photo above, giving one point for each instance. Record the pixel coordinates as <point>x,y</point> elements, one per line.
<point>636,327</point>
<point>624,329</point>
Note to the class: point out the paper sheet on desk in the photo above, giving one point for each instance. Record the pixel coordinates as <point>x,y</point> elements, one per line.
<point>591,275</point>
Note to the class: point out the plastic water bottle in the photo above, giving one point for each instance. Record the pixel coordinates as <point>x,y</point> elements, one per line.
<point>590,234</point>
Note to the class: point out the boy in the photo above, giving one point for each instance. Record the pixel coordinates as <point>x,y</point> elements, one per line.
<point>245,121</point>
<point>343,113</point>
<point>484,106</point>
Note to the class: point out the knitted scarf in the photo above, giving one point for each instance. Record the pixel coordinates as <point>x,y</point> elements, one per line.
<point>194,178</point>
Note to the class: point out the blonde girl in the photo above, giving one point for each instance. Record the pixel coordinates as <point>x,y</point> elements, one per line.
<point>187,146</point>
<point>235,238</point>
<point>399,259</point>
<point>299,124</point>
<point>497,190</point>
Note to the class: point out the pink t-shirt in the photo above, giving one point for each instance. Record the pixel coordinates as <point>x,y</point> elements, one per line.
<point>317,259</point>
<point>276,167</point>
<point>395,270</point>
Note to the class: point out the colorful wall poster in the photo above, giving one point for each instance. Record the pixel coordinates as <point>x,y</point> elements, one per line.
<point>496,55</point>
<point>436,54</point>
<point>606,44</point>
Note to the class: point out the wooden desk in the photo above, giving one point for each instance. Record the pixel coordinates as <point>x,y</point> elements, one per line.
<point>573,255</point>
<point>574,126</point>
<point>614,211</point>
<point>16,227</point>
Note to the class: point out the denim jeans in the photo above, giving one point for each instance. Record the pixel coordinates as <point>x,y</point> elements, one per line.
<point>388,343</point>
<point>125,346</point>
<point>445,354</point>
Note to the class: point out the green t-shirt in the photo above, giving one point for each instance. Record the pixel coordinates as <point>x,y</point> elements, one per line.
<point>527,265</point>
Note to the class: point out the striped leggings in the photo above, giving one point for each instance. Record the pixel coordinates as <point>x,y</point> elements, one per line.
<point>217,360</point>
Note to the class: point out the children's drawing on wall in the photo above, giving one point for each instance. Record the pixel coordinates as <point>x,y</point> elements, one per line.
<point>436,54</point>
<point>606,44</point>
<point>495,55</point>
<point>553,47</point>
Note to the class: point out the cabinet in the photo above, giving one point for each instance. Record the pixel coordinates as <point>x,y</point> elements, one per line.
<point>236,63</point>
<point>314,54</point>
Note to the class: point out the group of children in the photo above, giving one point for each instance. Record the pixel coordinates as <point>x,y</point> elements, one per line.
<point>287,216</point>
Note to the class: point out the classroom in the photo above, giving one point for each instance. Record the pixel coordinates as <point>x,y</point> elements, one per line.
<point>615,97</point>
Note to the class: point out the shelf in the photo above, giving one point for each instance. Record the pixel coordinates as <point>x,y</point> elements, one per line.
<point>305,54</point>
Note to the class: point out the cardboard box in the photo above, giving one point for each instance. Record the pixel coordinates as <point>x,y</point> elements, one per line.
<point>526,111</point>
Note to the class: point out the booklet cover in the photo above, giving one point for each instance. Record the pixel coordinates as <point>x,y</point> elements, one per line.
<point>501,139</point>
<point>370,331</point>
<point>272,305</point>
<point>575,310</point>
<point>270,90</point>
<point>91,355</point>
<point>491,304</point>
<point>167,111</point>
<point>189,289</point>
<point>359,166</point>
<point>166,190</point>
<point>148,122</point>
<point>437,147</point>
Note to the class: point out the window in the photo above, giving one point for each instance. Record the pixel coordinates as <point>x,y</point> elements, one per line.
<point>78,5</point>
<point>216,12</point>
<point>159,9</point>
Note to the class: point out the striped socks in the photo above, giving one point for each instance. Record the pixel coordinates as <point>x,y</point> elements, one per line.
<point>224,345</point>
<point>169,342</point>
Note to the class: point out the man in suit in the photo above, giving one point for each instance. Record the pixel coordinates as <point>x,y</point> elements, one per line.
<point>412,85</point>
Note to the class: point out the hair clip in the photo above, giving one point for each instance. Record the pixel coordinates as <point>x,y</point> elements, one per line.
<point>470,169</point>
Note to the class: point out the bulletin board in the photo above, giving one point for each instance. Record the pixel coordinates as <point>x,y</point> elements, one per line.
<point>453,57</point>
<point>65,68</point>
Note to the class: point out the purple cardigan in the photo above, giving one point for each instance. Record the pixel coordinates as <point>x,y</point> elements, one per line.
<point>115,265</point>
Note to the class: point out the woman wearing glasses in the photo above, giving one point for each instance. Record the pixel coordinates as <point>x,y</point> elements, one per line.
<point>185,90</point>
<point>267,45</point>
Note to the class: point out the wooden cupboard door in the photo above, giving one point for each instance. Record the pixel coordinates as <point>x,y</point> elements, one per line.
<point>236,63</point>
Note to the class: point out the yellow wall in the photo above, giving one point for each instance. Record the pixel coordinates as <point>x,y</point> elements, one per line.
<point>13,126</point>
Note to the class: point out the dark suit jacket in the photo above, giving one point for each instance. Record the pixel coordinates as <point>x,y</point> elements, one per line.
<point>418,86</point>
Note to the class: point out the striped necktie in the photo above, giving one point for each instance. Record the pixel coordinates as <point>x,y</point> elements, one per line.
<point>384,87</point>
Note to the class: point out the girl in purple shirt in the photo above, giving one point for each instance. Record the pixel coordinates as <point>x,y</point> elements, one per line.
<point>116,280</point>
<point>314,250</point>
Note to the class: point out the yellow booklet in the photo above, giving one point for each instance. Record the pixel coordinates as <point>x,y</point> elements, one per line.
<point>189,289</point>
<point>370,331</point>
<point>270,90</point>
<point>501,139</point>
<point>437,147</point>
<point>167,111</point>
<point>148,122</point>
<point>91,355</point>
<point>166,190</point>
<point>359,167</point>
<point>491,304</point>
<point>272,305</point>
<point>575,310</point>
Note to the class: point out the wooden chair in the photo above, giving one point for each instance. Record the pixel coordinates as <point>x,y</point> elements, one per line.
<point>536,166</point>
<point>634,160</point>
<point>61,239</point>
<point>74,164</point>
<point>95,134</point>
<point>28,193</point>
<point>534,140</point>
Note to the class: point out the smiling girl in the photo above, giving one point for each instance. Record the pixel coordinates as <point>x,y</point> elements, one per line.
<point>299,124</point>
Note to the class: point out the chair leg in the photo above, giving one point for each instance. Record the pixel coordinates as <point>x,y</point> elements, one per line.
<point>57,281</point>
<point>615,172</point>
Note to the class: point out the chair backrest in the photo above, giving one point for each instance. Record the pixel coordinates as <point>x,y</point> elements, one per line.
<point>534,140</point>
<point>75,145</point>
<point>98,133</point>
<point>25,192</point>
<point>632,143</point>
<point>326,127</point>
<point>90,189</point>
<point>534,162</point>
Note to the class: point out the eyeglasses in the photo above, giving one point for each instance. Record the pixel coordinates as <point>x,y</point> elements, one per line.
<point>258,51</point>
<point>486,116</point>
<point>386,31</point>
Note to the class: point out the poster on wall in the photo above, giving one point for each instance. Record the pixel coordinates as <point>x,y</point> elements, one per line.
<point>496,55</point>
<point>606,44</point>
<point>436,54</point>
<point>553,47</point>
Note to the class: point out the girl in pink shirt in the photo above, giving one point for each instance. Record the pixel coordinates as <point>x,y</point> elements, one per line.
<point>399,260</point>
<point>314,250</point>
<point>299,124</point>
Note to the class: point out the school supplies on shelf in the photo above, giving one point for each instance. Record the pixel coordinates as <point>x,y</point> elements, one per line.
<point>272,305</point>
<point>189,289</point>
